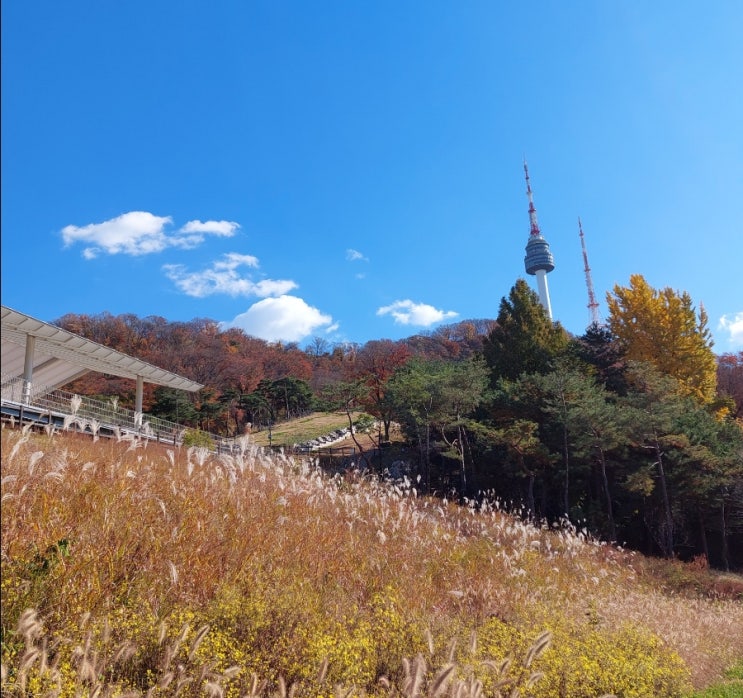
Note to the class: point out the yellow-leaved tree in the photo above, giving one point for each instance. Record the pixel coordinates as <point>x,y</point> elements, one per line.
<point>664,329</point>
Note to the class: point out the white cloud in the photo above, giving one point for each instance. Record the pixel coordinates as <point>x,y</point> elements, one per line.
<point>223,277</point>
<point>355,256</point>
<point>222,228</point>
<point>732,325</point>
<point>409,313</point>
<point>235,259</point>
<point>185,242</point>
<point>140,232</point>
<point>285,318</point>
<point>134,233</point>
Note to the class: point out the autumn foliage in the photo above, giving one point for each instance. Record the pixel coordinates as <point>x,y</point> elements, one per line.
<point>632,429</point>
<point>664,329</point>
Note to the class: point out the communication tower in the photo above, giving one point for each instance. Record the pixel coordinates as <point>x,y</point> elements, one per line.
<point>538,261</point>
<point>593,306</point>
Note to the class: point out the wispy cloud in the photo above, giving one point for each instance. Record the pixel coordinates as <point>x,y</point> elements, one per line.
<point>355,256</point>
<point>223,276</point>
<point>409,313</point>
<point>286,318</point>
<point>732,326</point>
<point>139,233</point>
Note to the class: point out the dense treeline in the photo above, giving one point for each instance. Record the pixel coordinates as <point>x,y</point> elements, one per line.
<point>632,429</point>
<point>249,380</point>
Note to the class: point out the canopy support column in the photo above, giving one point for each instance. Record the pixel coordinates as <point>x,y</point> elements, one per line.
<point>138,398</point>
<point>28,368</point>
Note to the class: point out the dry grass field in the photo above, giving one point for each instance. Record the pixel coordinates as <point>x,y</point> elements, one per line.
<point>136,569</point>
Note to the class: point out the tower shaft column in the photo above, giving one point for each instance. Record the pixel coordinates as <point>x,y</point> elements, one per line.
<point>544,292</point>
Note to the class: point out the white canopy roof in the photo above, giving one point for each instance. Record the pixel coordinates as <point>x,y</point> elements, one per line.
<point>60,356</point>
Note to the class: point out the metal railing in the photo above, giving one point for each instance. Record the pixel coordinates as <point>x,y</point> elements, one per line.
<point>91,414</point>
<point>45,405</point>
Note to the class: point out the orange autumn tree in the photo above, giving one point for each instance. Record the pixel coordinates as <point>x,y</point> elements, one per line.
<point>664,329</point>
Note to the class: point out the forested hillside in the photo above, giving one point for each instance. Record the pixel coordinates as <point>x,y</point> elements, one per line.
<point>632,429</point>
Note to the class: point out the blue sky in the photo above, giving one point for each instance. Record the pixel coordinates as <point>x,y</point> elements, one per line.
<point>354,170</point>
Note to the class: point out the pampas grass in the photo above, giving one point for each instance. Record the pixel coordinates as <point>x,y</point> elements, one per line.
<point>267,566</point>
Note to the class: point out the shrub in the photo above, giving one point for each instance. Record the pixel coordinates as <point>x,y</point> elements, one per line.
<point>197,438</point>
<point>363,423</point>
<point>585,661</point>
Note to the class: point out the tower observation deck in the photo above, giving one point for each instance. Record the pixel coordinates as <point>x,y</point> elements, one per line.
<point>539,260</point>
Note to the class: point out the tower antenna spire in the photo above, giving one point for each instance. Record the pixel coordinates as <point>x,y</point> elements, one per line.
<point>534,224</point>
<point>538,261</point>
<point>593,306</point>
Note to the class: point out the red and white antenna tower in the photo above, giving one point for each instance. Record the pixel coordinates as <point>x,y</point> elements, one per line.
<point>539,260</point>
<point>593,306</point>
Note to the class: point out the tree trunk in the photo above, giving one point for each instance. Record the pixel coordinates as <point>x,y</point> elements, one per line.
<point>473,474</point>
<point>367,464</point>
<point>386,423</point>
<point>703,535</point>
<point>667,535</point>
<point>566,487</point>
<point>422,456</point>
<point>428,454</point>
<point>461,460</point>
<point>607,494</point>
<point>530,496</point>
<point>724,532</point>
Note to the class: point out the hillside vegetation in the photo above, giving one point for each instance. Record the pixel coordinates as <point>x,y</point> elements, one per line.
<point>633,430</point>
<point>133,569</point>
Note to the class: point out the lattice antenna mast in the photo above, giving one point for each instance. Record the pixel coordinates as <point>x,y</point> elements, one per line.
<point>593,306</point>
<point>534,224</point>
